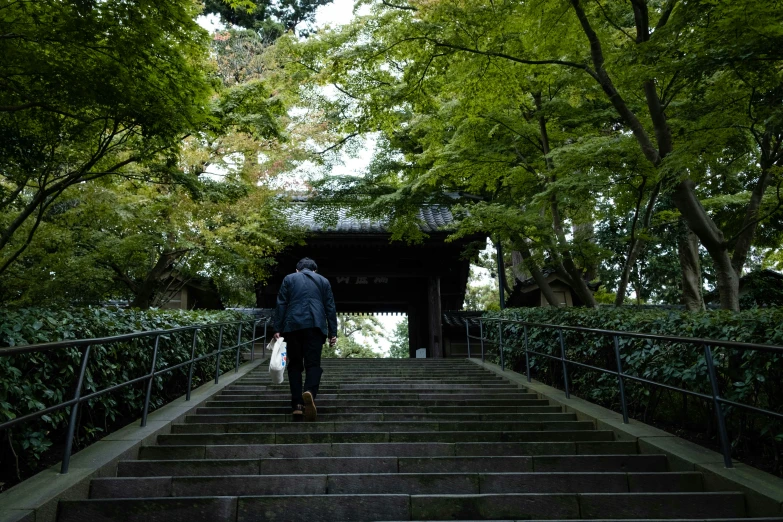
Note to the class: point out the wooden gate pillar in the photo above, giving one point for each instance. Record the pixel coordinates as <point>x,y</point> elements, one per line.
<point>435,316</point>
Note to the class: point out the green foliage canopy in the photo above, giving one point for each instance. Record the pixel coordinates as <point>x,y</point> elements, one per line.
<point>91,89</point>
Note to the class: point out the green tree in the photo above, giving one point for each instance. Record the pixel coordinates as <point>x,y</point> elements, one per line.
<point>482,292</point>
<point>91,89</point>
<point>400,341</point>
<point>558,105</point>
<point>216,219</point>
<point>141,242</point>
<point>266,18</point>
<point>350,327</point>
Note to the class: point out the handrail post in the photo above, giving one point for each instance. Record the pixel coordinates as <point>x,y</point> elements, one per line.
<point>74,411</point>
<point>500,339</point>
<point>192,357</point>
<point>149,382</point>
<point>467,336</point>
<point>620,375</point>
<point>239,346</point>
<point>563,360</point>
<point>481,334</point>
<point>253,342</point>
<point>217,359</point>
<point>716,400</point>
<point>527,357</point>
<point>263,345</point>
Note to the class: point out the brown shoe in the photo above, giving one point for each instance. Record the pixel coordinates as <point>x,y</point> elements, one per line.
<point>298,413</point>
<point>310,411</point>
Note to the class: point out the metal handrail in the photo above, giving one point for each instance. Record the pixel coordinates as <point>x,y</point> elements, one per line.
<point>707,344</point>
<point>87,344</point>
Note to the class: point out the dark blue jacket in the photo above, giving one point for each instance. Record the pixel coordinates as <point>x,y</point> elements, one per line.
<point>305,300</point>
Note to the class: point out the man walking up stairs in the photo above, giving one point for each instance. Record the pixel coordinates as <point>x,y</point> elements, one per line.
<point>305,316</point>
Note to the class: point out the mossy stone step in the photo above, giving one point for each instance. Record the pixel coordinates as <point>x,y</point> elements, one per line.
<point>389,417</point>
<point>540,406</point>
<point>372,436</point>
<point>582,505</point>
<point>356,402</point>
<point>405,507</point>
<point>403,483</point>
<point>390,426</point>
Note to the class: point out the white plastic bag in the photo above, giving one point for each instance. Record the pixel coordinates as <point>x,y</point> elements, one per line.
<point>278,360</point>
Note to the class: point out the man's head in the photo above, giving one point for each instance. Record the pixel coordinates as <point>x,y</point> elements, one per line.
<point>306,263</point>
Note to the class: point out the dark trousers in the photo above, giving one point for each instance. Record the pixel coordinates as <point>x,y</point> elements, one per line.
<point>303,349</point>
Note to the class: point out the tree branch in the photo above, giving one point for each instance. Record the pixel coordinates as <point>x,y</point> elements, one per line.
<point>341,142</point>
<point>394,6</point>
<point>756,221</point>
<point>611,22</point>
<point>565,63</point>
<point>603,79</point>
<point>667,11</point>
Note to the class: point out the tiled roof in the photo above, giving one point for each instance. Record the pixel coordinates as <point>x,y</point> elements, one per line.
<point>457,318</point>
<point>432,219</point>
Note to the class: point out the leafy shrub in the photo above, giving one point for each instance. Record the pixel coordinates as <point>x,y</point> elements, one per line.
<point>749,377</point>
<point>32,381</point>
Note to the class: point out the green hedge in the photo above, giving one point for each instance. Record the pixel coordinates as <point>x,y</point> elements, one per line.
<point>33,381</point>
<point>752,377</point>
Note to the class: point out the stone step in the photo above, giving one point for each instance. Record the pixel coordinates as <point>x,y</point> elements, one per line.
<point>582,505</point>
<point>423,388</point>
<point>358,372</point>
<point>396,377</point>
<point>388,426</point>
<point>395,440</point>
<point>388,417</point>
<point>358,459</point>
<point>407,507</point>
<point>394,399</point>
<point>401,436</point>
<point>561,453</point>
<point>365,375</point>
<point>404,483</point>
<point>387,395</point>
<point>384,395</point>
<point>540,406</point>
<point>354,402</point>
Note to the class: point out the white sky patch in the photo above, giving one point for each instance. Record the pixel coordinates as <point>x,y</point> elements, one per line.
<point>210,22</point>
<point>339,12</point>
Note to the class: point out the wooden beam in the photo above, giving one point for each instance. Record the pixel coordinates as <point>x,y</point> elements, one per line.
<point>434,316</point>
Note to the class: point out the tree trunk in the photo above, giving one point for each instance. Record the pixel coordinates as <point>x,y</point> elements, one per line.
<point>690,265</point>
<point>584,238</point>
<point>143,299</point>
<point>684,197</point>
<point>636,247</point>
<point>580,285</point>
<point>711,237</point>
<point>538,277</point>
<point>565,265</point>
<point>516,261</point>
<point>749,224</point>
<point>145,293</point>
<point>622,289</point>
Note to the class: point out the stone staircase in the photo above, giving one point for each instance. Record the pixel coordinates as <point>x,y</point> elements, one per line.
<point>395,440</point>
